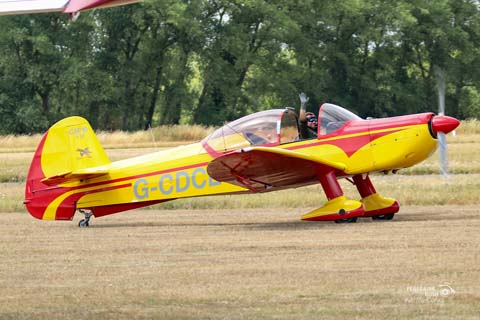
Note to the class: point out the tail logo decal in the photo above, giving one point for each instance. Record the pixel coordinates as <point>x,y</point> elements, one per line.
<point>85,152</point>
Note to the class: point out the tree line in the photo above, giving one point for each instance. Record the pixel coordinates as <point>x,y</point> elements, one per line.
<point>211,61</point>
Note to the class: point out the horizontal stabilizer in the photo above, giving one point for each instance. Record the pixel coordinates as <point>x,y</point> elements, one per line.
<point>73,176</point>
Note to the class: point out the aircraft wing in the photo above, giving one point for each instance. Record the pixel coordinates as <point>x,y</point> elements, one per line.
<point>66,6</point>
<point>31,6</point>
<point>262,169</point>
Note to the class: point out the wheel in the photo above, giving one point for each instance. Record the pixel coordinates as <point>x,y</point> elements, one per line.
<point>384,217</point>
<point>349,220</point>
<point>83,223</point>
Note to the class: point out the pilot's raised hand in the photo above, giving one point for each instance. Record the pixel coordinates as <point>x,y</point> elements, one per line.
<point>303,107</point>
<point>303,100</point>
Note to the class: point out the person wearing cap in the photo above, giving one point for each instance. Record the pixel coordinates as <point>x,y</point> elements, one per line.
<point>307,121</point>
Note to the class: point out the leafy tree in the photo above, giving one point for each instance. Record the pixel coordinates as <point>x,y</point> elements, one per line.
<point>211,61</point>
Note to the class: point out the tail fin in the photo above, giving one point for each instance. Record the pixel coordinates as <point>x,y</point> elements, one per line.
<point>69,151</point>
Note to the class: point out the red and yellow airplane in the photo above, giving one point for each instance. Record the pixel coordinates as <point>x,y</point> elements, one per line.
<point>261,152</point>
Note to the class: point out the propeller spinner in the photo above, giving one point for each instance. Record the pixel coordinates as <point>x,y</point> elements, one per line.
<point>444,124</point>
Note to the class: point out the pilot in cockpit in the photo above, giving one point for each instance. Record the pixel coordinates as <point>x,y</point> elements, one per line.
<point>262,134</point>
<point>307,121</point>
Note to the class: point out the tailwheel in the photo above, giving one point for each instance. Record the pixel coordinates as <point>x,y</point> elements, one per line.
<point>384,217</point>
<point>349,220</point>
<point>84,223</point>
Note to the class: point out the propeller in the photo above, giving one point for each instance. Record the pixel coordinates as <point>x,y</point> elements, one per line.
<point>442,124</point>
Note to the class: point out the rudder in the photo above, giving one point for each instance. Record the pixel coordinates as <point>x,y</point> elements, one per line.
<point>66,153</point>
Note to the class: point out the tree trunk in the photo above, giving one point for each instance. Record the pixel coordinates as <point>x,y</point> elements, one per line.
<point>153,101</point>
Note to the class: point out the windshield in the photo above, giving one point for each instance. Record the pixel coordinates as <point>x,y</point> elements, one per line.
<point>265,128</point>
<point>333,117</point>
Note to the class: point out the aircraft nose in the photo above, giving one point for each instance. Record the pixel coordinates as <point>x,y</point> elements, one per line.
<point>444,124</point>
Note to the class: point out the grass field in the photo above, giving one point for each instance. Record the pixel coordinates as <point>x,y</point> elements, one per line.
<point>247,257</point>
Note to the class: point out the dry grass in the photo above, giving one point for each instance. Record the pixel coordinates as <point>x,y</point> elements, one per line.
<point>469,127</point>
<point>163,136</point>
<point>226,260</point>
<point>14,166</point>
<point>240,264</point>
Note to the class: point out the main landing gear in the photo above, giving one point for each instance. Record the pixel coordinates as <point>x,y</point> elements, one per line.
<point>343,210</point>
<point>84,223</point>
<point>376,206</point>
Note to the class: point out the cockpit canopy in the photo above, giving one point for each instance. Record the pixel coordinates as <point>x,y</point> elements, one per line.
<point>265,128</point>
<point>272,128</point>
<point>332,117</point>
